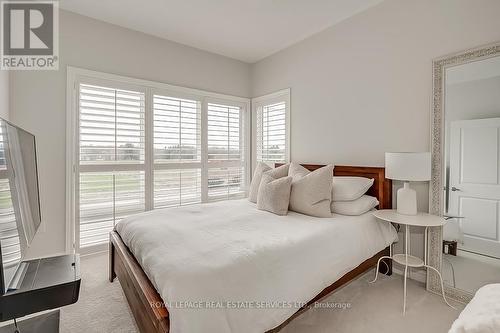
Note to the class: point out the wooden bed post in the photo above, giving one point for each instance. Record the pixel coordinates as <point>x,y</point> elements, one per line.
<point>112,274</point>
<point>149,310</point>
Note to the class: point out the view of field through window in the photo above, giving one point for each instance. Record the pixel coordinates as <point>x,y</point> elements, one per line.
<point>113,156</point>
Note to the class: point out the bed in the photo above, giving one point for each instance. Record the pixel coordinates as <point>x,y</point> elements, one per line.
<point>482,314</point>
<point>227,266</point>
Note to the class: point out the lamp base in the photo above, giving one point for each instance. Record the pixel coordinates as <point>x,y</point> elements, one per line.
<point>407,200</point>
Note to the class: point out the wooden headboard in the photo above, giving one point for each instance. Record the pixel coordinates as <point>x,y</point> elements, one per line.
<point>381,188</point>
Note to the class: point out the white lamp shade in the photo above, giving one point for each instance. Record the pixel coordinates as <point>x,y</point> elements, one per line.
<point>408,166</point>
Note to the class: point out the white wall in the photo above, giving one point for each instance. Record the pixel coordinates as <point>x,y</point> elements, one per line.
<point>38,97</point>
<point>4,94</point>
<point>365,84</point>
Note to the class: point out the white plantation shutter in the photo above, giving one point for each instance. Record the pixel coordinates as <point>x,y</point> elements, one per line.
<point>112,154</point>
<point>272,123</point>
<point>176,129</point>
<point>106,198</point>
<point>224,142</point>
<point>271,133</point>
<point>11,247</point>
<point>111,125</point>
<point>177,187</point>
<point>225,183</point>
<point>226,167</point>
<point>9,236</point>
<point>177,151</point>
<point>143,145</point>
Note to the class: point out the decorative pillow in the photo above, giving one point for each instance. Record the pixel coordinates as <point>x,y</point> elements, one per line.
<point>257,176</point>
<point>262,167</point>
<point>297,171</point>
<point>350,188</point>
<point>311,192</point>
<point>354,207</point>
<point>274,194</point>
<point>281,171</point>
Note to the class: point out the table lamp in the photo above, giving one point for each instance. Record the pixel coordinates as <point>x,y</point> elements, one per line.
<point>407,167</point>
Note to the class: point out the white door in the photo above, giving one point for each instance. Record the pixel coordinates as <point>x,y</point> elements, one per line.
<point>475,183</point>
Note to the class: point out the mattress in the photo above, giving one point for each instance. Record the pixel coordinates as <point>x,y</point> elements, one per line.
<point>228,267</point>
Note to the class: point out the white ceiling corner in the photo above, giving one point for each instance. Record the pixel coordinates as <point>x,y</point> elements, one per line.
<point>247,30</point>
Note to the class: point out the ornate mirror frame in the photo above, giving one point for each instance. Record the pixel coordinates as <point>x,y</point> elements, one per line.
<point>437,150</point>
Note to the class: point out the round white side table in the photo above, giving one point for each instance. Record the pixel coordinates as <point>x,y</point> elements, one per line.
<point>406,259</point>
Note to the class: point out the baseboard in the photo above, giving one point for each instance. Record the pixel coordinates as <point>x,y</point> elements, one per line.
<point>417,275</point>
<point>93,250</point>
<point>479,257</point>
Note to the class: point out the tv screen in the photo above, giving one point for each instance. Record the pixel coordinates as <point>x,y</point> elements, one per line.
<point>19,199</point>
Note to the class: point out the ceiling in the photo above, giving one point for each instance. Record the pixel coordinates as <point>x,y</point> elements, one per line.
<point>247,30</point>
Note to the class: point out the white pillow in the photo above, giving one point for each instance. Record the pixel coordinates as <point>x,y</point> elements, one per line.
<point>311,192</point>
<point>297,171</point>
<point>281,171</point>
<point>354,207</point>
<point>262,167</point>
<point>350,188</point>
<point>257,176</point>
<point>274,194</point>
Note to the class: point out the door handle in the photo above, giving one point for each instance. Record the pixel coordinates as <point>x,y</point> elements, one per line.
<point>454,189</point>
<point>449,217</point>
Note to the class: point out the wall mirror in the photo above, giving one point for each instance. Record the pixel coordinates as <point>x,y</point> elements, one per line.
<point>465,186</point>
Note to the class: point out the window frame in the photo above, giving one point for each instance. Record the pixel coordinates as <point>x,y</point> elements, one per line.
<point>75,76</point>
<point>272,98</point>
<point>247,133</point>
<point>173,165</point>
<point>116,167</point>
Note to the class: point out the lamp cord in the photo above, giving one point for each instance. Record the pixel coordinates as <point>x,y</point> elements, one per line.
<point>15,326</point>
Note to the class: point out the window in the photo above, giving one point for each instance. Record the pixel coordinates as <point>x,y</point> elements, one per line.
<point>226,165</point>
<point>9,235</point>
<point>112,155</point>
<point>177,151</point>
<point>272,121</point>
<point>141,145</point>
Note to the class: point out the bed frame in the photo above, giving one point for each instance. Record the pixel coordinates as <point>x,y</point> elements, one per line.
<point>147,306</point>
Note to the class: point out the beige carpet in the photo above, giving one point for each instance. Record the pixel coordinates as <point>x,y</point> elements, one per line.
<point>470,273</point>
<point>373,308</point>
<point>102,306</point>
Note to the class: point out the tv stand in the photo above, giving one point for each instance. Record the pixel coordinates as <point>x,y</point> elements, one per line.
<point>44,284</point>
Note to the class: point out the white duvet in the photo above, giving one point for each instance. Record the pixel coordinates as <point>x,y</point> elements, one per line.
<point>482,314</point>
<point>228,267</point>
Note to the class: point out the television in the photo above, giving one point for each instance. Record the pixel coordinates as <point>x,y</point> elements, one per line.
<point>20,215</point>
